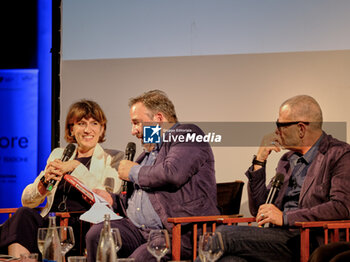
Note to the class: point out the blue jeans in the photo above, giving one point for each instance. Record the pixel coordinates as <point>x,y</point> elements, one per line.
<point>250,243</point>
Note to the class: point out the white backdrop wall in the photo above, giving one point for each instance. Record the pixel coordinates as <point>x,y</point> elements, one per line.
<point>219,61</point>
<point>94,29</point>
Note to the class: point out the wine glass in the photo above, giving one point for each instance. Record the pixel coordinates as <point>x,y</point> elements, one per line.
<point>41,239</point>
<point>66,236</point>
<point>201,256</point>
<point>158,243</point>
<point>211,246</point>
<point>117,239</point>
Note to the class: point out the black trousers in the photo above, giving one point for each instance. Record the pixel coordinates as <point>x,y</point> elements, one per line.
<point>23,227</point>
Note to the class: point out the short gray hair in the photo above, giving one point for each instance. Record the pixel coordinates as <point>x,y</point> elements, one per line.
<point>307,107</point>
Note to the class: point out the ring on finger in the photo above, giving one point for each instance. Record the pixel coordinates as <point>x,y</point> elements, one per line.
<point>262,216</point>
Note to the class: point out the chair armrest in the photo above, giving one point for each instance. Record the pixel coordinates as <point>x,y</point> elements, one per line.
<point>312,224</point>
<point>176,220</point>
<point>236,220</point>
<point>11,210</point>
<point>176,230</point>
<point>337,224</point>
<point>8,210</point>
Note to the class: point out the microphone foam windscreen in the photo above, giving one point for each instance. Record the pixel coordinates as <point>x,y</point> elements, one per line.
<point>109,184</point>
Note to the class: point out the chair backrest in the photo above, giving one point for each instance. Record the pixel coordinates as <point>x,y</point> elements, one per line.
<point>229,197</point>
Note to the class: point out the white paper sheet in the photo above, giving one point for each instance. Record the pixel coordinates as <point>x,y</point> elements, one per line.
<point>96,213</point>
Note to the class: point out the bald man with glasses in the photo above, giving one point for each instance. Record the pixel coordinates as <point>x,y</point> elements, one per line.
<point>316,172</point>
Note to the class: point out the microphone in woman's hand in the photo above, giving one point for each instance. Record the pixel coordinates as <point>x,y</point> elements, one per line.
<point>67,154</point>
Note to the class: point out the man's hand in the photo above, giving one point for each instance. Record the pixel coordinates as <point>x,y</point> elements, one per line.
<point>124,169</point>
<point>270,142</point>
<point>269,213</point>
<point>104,194</point>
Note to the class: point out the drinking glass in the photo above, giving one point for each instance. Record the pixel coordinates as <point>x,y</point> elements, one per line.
<point>211,246</point>
<point>32,257</point>
<point>77,259</point>
<point>66,236</point>
<point>158,243</point>
<point>41,239</point>
<point>117,239</point>
<point>201,256</point>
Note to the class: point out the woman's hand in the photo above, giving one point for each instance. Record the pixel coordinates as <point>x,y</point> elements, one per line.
<point>104,194</point>
<point>55,171</point>
<point>62,168</point>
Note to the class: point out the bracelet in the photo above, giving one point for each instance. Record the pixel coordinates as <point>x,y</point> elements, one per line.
<point>257,162</point>
<point>42,180</point>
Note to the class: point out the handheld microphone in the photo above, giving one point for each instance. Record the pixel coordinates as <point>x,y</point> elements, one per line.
<point>276,185</point>
<point>129,155</point>
<point>67,154</point>
<point>109,184</point>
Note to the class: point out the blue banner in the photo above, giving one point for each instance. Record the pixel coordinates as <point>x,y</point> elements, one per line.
<point>18,133</point>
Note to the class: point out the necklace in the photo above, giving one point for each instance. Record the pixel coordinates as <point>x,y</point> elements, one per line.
<point>62,207</point>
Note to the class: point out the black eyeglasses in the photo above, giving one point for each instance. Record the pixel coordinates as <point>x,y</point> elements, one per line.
<point>284,124</point>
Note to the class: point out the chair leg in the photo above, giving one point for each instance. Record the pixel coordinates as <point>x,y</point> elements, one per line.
<point>176,242</point>
<point>304,245</point>
<point>195,234</point>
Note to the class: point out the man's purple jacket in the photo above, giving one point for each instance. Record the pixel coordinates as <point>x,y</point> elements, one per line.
<point>325,192</point>
<point>182,181</point>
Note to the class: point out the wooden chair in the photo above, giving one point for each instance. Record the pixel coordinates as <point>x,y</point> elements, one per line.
<point>229,201</point>
<point>64,216</point>
<point>331,230</point>
<point>331,234</point>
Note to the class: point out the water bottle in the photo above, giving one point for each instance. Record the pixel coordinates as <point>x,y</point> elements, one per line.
<point>52,244</point>
<point>106,250</point>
